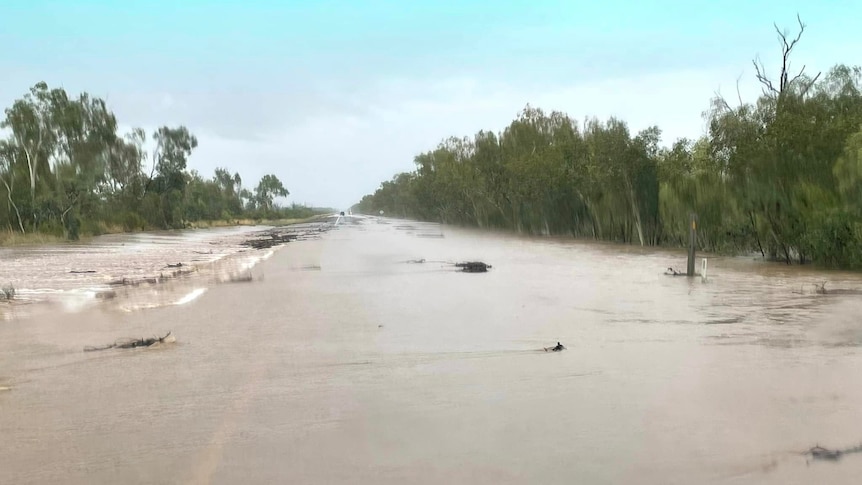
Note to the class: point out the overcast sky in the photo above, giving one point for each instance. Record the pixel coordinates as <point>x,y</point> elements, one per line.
<point>334,97</point>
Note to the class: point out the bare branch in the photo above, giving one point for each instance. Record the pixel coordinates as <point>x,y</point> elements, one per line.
<point>760,73</point>
<point>719,99</point>
<point>784,80</point>
<point>801,28</point>
<point>796,77</point>
<point>785,55</point>
<point>788,46</point>
<point>809,84</point>
<point>71,204</point>
<point>738,94</point>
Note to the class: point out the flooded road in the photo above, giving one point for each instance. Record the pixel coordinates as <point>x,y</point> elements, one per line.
<point>130,272</point>
<point>74,276</point>
<point>343,363</point>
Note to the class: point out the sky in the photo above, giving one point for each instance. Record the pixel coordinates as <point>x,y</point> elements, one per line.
<point>334,97</point>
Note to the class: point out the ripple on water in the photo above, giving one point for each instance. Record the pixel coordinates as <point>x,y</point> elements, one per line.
<point>131,271</point>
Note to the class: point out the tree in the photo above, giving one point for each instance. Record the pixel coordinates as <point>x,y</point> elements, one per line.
<point>170,157</point>
<point>799,84</point>
<point>30,121</point>
<point>65,170</point>
<point>7,178</point>
<point>778,175</point>
<point>173,147</point>
<point>267,189</point>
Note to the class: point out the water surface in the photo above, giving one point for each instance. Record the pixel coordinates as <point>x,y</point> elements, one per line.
<point>342,363</point>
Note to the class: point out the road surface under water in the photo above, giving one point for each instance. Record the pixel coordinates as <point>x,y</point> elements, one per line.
<point>76,276</point>
<point>342,363</point>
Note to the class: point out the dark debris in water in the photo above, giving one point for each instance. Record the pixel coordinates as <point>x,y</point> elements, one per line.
<point>467,266</point>
<point>473,267</point>
<point>557,348</point>
<point>154,280</point>
<point>818,452</point>
<point>273,240</point>
<point>280,236</point>
<point>133,343</point>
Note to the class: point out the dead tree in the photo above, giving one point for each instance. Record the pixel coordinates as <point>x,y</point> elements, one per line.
<point>785,82</point>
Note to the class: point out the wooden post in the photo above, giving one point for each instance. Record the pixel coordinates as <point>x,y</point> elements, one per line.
<point>692,243</point>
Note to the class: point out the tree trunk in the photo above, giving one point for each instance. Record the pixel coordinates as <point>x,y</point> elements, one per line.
<point>594,219</point>
<point>756,234</point>
<point>12,203</point>
<point>63,215</point>
<point>636,210</point>
<point>31,164</point>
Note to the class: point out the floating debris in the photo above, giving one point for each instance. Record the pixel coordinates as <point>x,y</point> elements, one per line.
<point>266,243</point>
<point>473,267</point>
<point>557,348</point>
<point>153,280</point>
<point>821,453</point>
<point>279,236</point>
<point>84,271</point>
<point>134,343</point>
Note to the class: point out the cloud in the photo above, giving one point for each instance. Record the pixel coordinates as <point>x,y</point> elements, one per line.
<point>335,155</point>
<point>330,144</point>
<point>335,100</point>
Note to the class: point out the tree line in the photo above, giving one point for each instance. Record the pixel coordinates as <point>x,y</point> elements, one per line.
<point>65,170</point>
<point>781,176</point>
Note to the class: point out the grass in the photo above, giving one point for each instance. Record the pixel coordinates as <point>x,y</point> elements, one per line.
<point>8,238</point>
<point>11,239</point>
<point>288,222</point>
<point>248,222</point>
<point>219,223</point>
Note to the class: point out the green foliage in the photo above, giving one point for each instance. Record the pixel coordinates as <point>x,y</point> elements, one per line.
<point>781,176</point>
<point>65,171</point>
<point>266,191</point>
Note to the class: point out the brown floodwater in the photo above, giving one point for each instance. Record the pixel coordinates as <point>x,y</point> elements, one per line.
<point>76,276</point>
<point>343,363</point>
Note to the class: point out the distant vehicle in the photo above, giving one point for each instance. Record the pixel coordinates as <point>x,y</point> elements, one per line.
<point>342,213</point>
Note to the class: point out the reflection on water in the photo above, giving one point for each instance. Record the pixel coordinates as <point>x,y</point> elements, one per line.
<point>342,363</point>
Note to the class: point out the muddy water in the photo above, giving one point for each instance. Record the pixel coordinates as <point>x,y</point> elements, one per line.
<point>341,363</point>
<point>128,272</point>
